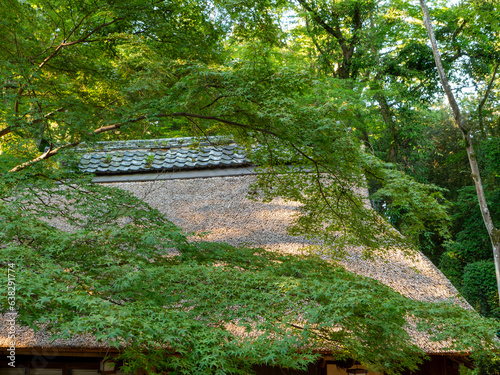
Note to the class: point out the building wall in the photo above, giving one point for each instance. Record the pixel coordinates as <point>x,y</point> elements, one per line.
<point>52,365</point>
<point>437,365</point>
<point>67,365</point>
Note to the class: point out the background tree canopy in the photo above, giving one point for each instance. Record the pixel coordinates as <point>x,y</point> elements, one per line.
<point>308,81</point>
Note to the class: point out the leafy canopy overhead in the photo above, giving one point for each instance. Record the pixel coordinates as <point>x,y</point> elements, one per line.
<point>80,71</point>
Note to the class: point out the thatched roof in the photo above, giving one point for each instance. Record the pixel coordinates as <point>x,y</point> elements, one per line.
<point>219,205</point>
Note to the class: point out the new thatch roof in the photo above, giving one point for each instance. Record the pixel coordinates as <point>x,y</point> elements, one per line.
<point>220,206</point>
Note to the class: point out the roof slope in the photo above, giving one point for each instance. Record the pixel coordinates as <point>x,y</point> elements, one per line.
<point>220,206</point>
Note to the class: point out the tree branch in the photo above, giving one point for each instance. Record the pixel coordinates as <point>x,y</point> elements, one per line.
<point>5,131</point>
<point>52,152</point>
<point>318,19</point>
<point>485,97</point>
<point>47,154</point>
<point>441,71</point>
<point>213,102</point>
<point>81,40</point>
<point>10,129</point>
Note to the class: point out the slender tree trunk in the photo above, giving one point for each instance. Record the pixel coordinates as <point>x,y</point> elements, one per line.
<point>493,232</point>
<point>385,109</point>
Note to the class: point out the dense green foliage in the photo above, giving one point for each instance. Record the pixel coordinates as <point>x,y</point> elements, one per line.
<point>128,276</point>
<point>310,93</point>
<point>480,287</point>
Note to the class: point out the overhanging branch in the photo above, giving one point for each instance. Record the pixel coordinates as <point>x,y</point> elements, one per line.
<point>52,152</point>
<point>485,97</point>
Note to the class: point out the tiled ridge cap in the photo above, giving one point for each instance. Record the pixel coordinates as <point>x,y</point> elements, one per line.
<point>162,155</point>
<point>159,143</point>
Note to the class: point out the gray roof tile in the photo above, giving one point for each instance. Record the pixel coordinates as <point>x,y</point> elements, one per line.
<point>161,155</point>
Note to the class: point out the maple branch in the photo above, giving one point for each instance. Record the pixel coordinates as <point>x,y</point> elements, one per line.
<point>81,40</point>
<point>10,129</point>
<point>52,152</point>
<point>47,154</point>
<point>317,17</point>
<point>5,131</point>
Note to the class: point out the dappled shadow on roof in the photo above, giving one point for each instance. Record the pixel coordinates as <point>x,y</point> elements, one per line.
<point>220,206</point>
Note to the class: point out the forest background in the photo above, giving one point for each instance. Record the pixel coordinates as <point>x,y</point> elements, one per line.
<point>311,81</point>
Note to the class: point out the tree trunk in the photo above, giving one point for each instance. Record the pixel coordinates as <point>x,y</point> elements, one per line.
<point>391,125</point>
<point>493,232</point>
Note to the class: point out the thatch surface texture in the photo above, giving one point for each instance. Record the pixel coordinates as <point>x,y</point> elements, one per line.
<point>220,206</point>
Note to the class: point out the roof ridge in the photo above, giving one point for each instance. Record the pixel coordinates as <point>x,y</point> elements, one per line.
<point>153,143</point>
<point>162,155</point>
